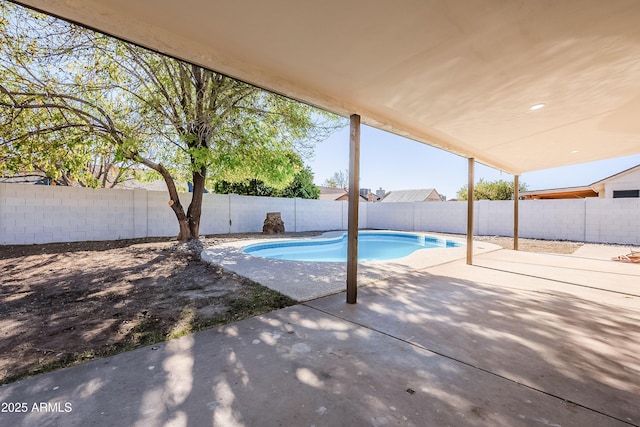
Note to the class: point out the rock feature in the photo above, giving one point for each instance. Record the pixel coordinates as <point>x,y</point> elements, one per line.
<point>273,224</point>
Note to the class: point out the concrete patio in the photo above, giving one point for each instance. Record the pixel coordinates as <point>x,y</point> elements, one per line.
<point>303,280</point>
<point>518,339</point>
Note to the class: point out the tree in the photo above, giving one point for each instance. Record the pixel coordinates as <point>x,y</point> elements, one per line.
<point>494,190</point>
<point>70,97</point>
<point>301,186</point>
<point>62,137</point>
<point>339,179</point>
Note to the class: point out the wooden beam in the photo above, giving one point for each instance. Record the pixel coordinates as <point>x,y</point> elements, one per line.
<point>516,197</point>
<point>354,201</point>
<point>470,212</point>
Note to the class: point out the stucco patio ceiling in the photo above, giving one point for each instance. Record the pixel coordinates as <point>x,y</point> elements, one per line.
<point>460,75</point>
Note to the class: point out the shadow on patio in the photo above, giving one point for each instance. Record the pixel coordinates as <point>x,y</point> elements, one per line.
<point>422,349</point>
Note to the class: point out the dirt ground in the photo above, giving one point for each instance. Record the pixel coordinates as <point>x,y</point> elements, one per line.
<point>66,303</point>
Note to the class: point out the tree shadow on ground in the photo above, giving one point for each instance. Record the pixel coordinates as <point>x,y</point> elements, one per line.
<point>582,350</point>
<point>58,309</point>
<point>418,350</point>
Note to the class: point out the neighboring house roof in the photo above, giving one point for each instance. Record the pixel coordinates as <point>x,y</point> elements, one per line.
<point>423,195</point>
<point>133,184</point>
<point>618,175</point>
<point>599,185</point>
<point>25,178</point>
<point>333,193</point>
<point>129,184</point>
<point>591,190</point>
<point>560,193</point>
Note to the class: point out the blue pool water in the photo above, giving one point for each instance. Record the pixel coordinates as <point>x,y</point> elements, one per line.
<point>372,246</point>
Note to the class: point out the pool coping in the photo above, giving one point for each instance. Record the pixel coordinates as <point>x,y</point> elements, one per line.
<point>307,280</point>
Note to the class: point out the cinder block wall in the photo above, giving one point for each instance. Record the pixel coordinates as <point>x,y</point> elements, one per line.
<point>612,220</point>
<point>493,217</point>
<point>248,213</point>
<point>215,214</point>
<point>41,214</point>
<point>393,216</point>
<point>589,220</point>
<point>553,219</point>
<point>449,217</point>
<point>314,215</point>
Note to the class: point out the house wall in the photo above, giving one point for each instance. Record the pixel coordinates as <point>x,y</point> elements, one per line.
<point>628,181</point>
<point>41,214</point>
<point>433,197</point>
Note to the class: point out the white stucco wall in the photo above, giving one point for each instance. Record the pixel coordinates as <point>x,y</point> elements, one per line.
<point>628,181</point>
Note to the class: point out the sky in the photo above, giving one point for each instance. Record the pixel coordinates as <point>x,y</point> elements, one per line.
<point>396,163</point>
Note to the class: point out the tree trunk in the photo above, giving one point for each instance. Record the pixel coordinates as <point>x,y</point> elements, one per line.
<point>185,233</point>
<point>186,229</point>
<point>195,207</point>
<point>178,210</point>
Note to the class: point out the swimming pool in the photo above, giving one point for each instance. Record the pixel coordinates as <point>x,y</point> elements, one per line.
<point>372,246</point>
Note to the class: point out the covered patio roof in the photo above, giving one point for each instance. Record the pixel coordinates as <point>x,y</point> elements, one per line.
<point>461,76</point>
<point>561,193</point>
